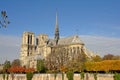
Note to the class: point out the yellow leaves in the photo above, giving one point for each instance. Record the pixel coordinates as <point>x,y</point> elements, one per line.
<point>96,58</point>
<point>106,65</point>
<point>63,69</point>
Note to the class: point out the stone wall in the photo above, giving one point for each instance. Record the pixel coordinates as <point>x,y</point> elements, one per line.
<point>59,77</point>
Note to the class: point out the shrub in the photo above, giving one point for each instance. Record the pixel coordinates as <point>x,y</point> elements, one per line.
<point>82,75</point>
<point>117,76</point>
<point>62,76</point>
<point>29,75</point>
<point>55,75</point>
<point>29,70</point>
<point>7,76</point>
<point>40,66</point>
<point>95,76</point>
<point>70,75</point>
<point>16,69</point>
<point>3,76</point>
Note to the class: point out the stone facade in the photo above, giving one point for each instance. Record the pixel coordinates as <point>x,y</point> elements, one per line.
<point>39,47</point>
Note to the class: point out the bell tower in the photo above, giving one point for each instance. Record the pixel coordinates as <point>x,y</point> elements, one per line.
<point>27,47</point>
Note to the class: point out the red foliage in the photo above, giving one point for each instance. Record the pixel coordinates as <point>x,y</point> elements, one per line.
<point>19,69</point>
<point>16,69</point>
<point>30,70</point>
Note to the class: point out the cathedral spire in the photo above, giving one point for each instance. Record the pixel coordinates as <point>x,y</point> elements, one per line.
<point>56,30</point>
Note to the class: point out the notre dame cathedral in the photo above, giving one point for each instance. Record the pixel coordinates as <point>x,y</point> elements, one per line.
<point>39,47</point>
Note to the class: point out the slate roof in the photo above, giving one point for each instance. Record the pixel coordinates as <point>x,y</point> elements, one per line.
<point>66,41</point>
<point>70,40</point>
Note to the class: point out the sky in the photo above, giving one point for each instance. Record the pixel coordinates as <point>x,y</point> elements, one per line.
<point>96,21</point>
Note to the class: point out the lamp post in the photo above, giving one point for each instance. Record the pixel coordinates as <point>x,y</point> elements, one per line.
<point>4,20</point>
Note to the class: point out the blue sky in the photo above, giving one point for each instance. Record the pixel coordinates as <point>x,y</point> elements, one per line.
<point>99,18</point>
<point>90,17</point>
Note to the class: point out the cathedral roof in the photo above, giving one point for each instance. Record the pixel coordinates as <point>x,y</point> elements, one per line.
<point>66,41</point>
<point>70,40</point>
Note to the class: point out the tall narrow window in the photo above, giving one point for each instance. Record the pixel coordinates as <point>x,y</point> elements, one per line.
<point>28,39</point>
<point>31,39</point>
<point>28,51</point>
<point>37,41</point>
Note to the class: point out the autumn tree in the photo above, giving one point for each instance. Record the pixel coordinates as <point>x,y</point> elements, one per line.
<point>16,62</point>
<point>105,65</point>
<point>49,62</point>
<point>57,59</point>
<point>27,70</point>
<point>116,57</point>
<point>7,65</point>
<point>16,69</point>
<point>108,57</point>
<point>62,57</point>
<point>96,58</point>
<point>77,61</point>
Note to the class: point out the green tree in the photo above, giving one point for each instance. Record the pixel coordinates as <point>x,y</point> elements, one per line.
<point>82,75</point>
<point>3,76</point>
<point>29,75</point>
<point>55,75</point>
<point>70,75</point>
<point>95,76</point>
<point>62,76</point>
<point>117,76</point>
<point>40,66</point>
<point>7,65</point>
<point>7,76</point>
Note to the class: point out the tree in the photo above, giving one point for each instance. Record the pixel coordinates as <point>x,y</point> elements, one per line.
<point>16,62</point>
<point>16,69</point>
<point>4,21</point>
<point>77,63</point>
<point>7,65</point>
<point>27,70</point>
<point>117,76</point>
<point>96,58</point>
<point>117,57</point>
<point>70,75</point>
<point>108,57</point>
<point>40,66</point>
<point>109,65</point>
<point>29,75</point>
<point>57,59</point>
<point>61,57</point>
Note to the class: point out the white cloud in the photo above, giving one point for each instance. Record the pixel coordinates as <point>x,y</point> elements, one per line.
<point>10,46</point>
<point>102,45</point>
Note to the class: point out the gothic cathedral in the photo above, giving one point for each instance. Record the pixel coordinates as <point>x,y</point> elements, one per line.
<point>39,47</point>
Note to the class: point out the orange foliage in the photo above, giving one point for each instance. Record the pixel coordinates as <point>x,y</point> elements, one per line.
<point>63,69</point>
<point>106,65</point>
<point>16,69</point>
<point>19,69</point>
<point>30,70</point>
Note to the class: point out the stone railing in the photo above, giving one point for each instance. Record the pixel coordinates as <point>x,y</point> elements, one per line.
<point>58,77</point>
